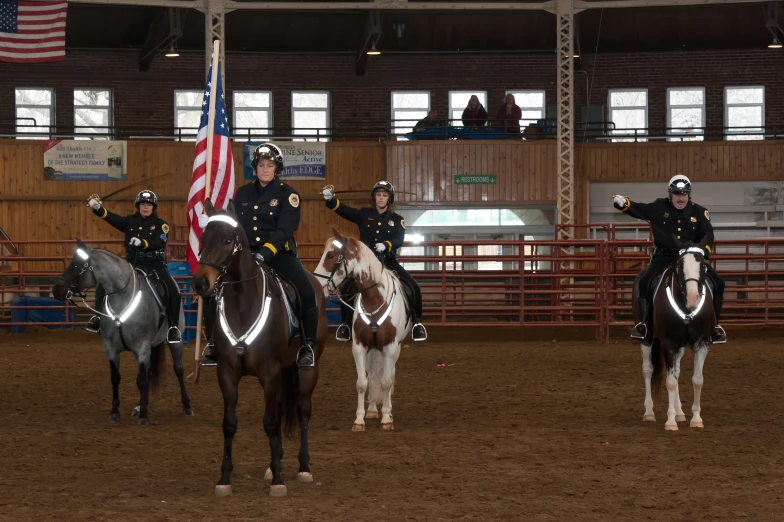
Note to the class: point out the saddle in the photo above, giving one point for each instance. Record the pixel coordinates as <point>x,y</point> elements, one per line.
<point>410,295</point>
<point>158,288</point>
<point>285,289</point>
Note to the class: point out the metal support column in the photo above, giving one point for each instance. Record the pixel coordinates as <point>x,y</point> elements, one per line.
<point>214,28</point>
<point>565,147</point>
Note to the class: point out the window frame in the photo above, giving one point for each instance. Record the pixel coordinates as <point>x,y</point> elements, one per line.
<point>178,135</point>
<point>728,135</point>
<point>628,136</point>
<point>110,109</point>
<point>328,132</point>
<point>678,136</point>
<point>463,91</point>
<point>52,114</point>
<point>270,114</point>
<point>394,128</point>
<point>522,109</point>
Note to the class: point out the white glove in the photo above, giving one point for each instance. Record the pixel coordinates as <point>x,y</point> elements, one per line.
<point>620,201</point>
<point>380,247</point>
<point>328,195</point>
<point>203,220</point>
<point>135,241</point>
<point>94,204</point>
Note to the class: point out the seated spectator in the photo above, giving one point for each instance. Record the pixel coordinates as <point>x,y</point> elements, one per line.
<point>509,115</point>
<point>428,122</point>
<point>474,114</point>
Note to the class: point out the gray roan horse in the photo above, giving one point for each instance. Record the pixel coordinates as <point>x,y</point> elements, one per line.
<point>131,319</point>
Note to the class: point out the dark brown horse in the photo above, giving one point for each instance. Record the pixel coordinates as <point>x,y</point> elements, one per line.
<point>253,337</point>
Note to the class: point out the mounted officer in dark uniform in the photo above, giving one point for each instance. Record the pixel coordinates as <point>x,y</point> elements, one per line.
<point>384,232</point>
<point>269,212</point>
<point>676,217</point>
<point>146,235</point>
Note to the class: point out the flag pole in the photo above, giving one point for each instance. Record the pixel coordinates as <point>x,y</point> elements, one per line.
<point>207,190</point>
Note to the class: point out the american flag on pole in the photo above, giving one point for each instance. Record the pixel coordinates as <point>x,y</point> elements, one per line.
<point>221,173</point>
<point>32,31</point>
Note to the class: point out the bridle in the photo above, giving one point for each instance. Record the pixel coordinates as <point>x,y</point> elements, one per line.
<point>237,246</point>
<point>73,288</point>
<point>681,283</point>
<point>341,261</point>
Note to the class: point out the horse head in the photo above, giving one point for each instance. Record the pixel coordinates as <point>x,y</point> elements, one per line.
<point>221,240</point>
<point>339,260</point>
<point>78,276</point>
<point>690,271</point>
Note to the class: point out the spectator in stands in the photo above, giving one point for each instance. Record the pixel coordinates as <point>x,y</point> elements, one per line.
<point>428,122</point>
<point>509,115</point>
<point>474,114</point>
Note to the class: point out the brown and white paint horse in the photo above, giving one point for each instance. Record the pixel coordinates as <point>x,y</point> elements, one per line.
<point>380,322</point>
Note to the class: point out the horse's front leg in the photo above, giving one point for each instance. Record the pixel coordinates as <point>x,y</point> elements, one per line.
<point>647,373</point>
<point>307,383</point>
<point>114,366</point>
<point>143,383</point>
<point>700,353</point>
<point>228,379</point>
<point>670,355</point>
<point>272,394</point>
<point>360,355</point>
<point>176,352</point>
<point>390,356</point>
<point>679,415</point>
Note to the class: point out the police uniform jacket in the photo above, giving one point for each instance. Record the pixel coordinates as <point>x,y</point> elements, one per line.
<point>151,230</point>
<point>387,227</point>
<point>269,215</point>
<point>690,224</point>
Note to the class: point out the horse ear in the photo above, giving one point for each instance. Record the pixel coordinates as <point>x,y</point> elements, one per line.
<point>336,234</point>
<point>208,208</point>
<point>79,243</point>
<point>231,210</point>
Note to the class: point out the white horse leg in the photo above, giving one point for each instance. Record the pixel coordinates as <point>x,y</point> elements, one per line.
<point>374,363</point>
<point>672,391</point>
<point>699,359</point>
<point>647,372</point>
<point>362,384</point>
<point>390,354</point>
<point>679,415</point>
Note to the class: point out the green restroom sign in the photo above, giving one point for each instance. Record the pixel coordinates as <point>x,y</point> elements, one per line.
<point>474,179</point>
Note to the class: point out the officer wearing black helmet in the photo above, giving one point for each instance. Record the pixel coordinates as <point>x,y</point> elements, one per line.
<point>146,236</point>
<point>269,212</point>
<point>676,217</point>
<point>383,231</point>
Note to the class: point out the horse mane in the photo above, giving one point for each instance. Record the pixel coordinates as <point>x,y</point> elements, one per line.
<point>367,255</point>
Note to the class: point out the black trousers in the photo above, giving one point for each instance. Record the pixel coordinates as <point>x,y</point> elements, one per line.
<point>173,302</point>
<point>660,263</point>
<point>349,287</point>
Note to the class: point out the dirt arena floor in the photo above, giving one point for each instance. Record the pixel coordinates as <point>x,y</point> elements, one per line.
<point>542,429</point>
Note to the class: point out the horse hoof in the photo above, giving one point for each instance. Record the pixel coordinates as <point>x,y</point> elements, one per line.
<point>388,427</point>
<point>268,474</point>
<point>135,412</point>
<point>223,490</point>
<point>649,418</point>
<point>371,415</point>
<point>304,476</point>
<point>189,412</point>
<point>699,424</point>
<point>114,417</point>
<point>680,418</point>
<point>358,427</point>
<point>278,490</point>
<point>143,421</point>
<point>671,427</point>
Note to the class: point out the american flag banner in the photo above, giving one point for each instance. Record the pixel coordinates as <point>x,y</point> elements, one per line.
<point>32,31</point>
<point>222,171</point>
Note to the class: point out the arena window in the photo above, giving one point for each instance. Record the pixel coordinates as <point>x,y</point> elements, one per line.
<point>744,112</point>
<point>628,110</point>
<point>252,114</point>
<point>458,101</point>
<point>310,115</point>
<point>187,114</point>
<point>408,107</point>
<point>34,112</point>
<point>686,113</point>
<point>93,113</point>
<point>531,104</point>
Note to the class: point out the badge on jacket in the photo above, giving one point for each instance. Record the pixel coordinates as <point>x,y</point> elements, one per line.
<point>707,215</point>
<point>274,203</point>
<point>294,200</point>
<point>391,223</point>
<point>165,228</point>
<point>693,219</point>
<point>403,223</point>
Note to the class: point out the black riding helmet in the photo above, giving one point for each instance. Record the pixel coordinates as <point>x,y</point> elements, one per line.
<point>268,151</point>
<point>146,196</point>
<point>679,184</point>
<point>383,185</point>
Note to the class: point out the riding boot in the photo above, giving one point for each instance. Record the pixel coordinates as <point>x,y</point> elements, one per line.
<point>640,330</point>
<point>418,332</point>
<point>306,358</point>
<point>173,335</point>
<point>343,332</point>
<point>210,355</point>
<point>719,336</point>
<point>94,324</point>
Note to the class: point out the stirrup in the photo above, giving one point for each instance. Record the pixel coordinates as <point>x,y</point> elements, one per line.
<point>173,335</point>
<point>343,333</point>
<point>94,325</point>
<point>419,336</point>
<point>208,358</point>
<point>306,358</point>
<point>636,334</point>
<point>718,336</point>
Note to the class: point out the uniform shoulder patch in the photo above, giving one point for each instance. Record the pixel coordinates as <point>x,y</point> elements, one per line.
<point>707,215</point>
<point>165,228</point>
<point>402,222</point>
<point>294,200</point>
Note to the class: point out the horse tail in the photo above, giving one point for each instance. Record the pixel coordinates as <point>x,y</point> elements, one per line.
<point>657,360</point>
<point>375,369</point>
<point>290,397</point>
<point>157,362</point>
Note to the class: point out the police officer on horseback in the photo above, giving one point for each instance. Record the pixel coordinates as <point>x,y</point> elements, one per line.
<point>674,218</point>
<point>382,231</point>
<point>146,235</point>
<point>269,212</point>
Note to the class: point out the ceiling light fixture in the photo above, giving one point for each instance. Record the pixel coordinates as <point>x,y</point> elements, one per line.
<point>172,53</point>
<point>775,44</point>
<point>373,51</point>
